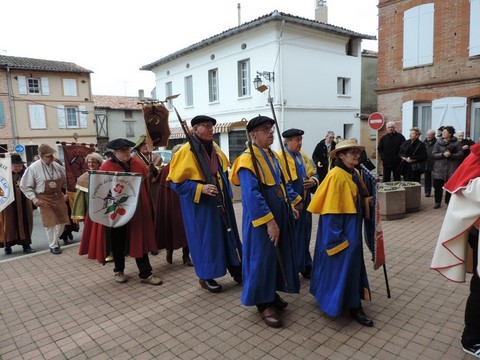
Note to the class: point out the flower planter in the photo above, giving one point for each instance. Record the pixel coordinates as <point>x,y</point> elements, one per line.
<point>391,200</point>
<point>413,194</point>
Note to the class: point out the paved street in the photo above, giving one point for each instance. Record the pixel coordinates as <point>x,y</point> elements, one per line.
<point>68,307</point>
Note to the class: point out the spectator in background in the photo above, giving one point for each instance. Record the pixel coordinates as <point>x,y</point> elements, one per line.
<point>448,155</point>
<point>466,143</point>
<point>412,151</point>
<point>16,220</point>
<point>320,154</point>
<point>42,183</point>
<point>388,149</point>
<point>429,142</point>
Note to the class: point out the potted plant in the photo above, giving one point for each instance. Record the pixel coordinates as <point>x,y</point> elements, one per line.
<point>391,200</point>
<point>413,194</point>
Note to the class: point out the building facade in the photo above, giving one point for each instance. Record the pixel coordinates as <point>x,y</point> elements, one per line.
<point>429,64</point>
<point>117,117</point>
<point>44,101</point>
<point>311,71</point>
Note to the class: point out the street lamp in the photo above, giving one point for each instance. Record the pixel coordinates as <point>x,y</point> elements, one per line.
<point>257,82</point>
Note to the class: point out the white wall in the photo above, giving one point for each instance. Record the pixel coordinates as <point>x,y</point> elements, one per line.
<point>306,64</point>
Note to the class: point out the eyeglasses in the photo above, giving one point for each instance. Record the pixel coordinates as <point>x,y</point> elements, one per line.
<point>354,151</point>
<point>208,125</point>
<point>267,128</point>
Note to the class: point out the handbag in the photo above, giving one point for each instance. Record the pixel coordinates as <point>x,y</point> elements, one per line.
<point>419,166</point>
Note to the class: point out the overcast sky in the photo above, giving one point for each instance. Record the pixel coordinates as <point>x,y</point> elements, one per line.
<point>114,38</point>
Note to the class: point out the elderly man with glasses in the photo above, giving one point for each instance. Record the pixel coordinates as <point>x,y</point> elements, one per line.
<point>200,178</point>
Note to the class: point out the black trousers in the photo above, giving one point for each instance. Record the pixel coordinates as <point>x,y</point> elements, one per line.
<point>387,172</point>
<point>471,332</point>
<point>428,182</point>
<point>119,242</point>
<point>438,187</point>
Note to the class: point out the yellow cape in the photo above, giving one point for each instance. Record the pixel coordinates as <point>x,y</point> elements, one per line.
<point>184,166</point>
<point>291,164</point>
<point>245,161</point>
<point>337,194</point>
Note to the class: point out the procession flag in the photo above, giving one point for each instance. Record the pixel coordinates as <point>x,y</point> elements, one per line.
<point>75,163</point>
<point>6,182</point>
<point>373,225</point>
<point>113,197</point>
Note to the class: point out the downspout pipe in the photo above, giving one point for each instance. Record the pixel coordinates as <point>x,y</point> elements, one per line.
<point>10,105</point>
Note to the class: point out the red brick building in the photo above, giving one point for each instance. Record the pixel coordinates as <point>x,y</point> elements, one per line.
<point>429,64</point>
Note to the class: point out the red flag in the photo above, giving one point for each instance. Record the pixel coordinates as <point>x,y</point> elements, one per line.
<point>75,163</point>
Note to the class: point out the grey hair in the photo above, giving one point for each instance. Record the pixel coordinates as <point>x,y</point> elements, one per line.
<point>330,133</point>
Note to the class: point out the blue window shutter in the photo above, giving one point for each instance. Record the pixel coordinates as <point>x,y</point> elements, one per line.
<point>2,115</point>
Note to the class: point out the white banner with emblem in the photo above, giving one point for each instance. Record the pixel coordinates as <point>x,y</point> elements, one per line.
<point>113,197</point>
<point>6,182</point>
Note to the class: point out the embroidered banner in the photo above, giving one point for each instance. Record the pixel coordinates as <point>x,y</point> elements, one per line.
<point>113,197</point>
<point>6,182</point>
<point>373,226</point>
<point>75,163</point>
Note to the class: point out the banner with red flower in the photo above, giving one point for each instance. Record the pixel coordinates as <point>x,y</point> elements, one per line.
<point>113,197</point>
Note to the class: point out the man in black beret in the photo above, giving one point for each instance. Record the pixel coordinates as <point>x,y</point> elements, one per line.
<point>18,215</point>
<point>267,224</point>
<point>200,177</point>
<point>138,234</point>
<point>304,180</point>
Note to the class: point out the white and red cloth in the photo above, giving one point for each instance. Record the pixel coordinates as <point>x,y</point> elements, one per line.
<point>463,212</point>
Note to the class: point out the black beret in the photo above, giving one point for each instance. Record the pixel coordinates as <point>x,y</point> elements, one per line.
<point>17,159</point>
<point>119,144</point>
<point>292,132</point>
<point>257,121</point>
<point>202,118</point>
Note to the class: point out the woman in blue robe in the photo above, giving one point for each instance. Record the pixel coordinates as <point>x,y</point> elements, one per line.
<point>339,278</point>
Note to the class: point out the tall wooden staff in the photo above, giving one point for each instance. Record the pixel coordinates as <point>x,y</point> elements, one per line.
<point>205,172</point>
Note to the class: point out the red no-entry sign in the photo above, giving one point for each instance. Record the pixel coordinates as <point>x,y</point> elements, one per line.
<point>376,121</point>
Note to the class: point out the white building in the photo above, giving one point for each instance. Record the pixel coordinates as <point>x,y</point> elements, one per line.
<point>312,69</point>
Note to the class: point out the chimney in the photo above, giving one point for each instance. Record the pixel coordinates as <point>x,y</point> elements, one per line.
<point>239,10</point>
<point>321,11</point>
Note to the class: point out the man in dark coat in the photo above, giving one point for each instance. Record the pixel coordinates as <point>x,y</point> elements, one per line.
<point>320,154</point>
<point>466,143</point>
<point>429,141</point>
<point>388,149</point>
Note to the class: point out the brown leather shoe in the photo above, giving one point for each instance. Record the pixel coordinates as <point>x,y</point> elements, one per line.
<point>271,317</point>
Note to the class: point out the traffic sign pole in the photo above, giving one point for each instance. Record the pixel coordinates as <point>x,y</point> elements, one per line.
<point>376,122</point>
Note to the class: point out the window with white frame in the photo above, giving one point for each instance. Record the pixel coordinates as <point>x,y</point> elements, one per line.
<point>129,128</point>
<point>475,120</point>
<point>189,90</point>
<point>422,116</point>
<point>71,114</point>
<point>37,116</point>
<point>418,35</point>
<point>70,87</point>
<point>168,92</point>
<point>474,44</point>
<point>33,86</point>
<point>243,69</point>
<point>343,86</point>
<point>213,85</point>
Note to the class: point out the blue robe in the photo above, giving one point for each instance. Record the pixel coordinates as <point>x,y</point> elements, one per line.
<point>339,278</point>
<point>260,269</point>
<point>300,169</point>
<point>212,248</point>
